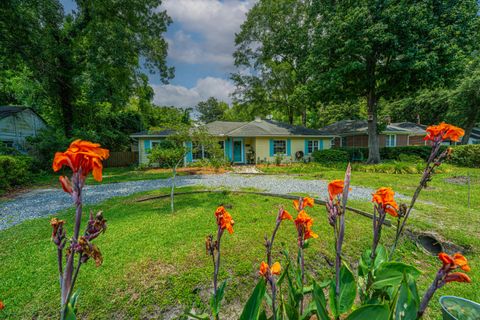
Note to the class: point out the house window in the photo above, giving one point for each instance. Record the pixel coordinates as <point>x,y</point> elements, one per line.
<point>313,145</point>
<point>222,144</point>
<point>8,144</point>
<point>343,142</point>
<point>391,140</point>
<point>197,151</point>
<point>279,147</point>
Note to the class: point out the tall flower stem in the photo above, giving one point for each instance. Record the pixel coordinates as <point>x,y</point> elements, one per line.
<point>77,197</point>
<point>432,163</point>
<point>217,263</point>
<point>269,246</point>
<point>436,284</point>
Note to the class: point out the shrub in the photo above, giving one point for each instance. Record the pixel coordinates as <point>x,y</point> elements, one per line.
<point>466,155</point>
<point>395,153</point>
<point>42,148</point>
<point>330,155</point>
<point>14,171</point>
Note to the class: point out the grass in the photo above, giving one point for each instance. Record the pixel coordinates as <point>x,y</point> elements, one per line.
<point>155,263</point>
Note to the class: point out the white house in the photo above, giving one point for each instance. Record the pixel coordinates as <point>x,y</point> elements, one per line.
<point>17,123</point>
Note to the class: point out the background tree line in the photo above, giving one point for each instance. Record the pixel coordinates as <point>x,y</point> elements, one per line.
<point>318,61</point>
<point>86,72</point>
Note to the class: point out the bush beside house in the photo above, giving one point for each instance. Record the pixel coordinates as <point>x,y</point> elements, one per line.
<point>14,171</point>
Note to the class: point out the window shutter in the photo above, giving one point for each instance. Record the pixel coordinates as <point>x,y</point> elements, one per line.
<point>228,150</point>
<point>271,148</point>
<point>306,147</point>
<point>289,147</point>
<point>189,157</point>
<point>146,146</point>
<point>321,144</point>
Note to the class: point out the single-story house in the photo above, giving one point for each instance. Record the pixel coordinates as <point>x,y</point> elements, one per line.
<point>251,142</point>
<point>354,133</point>
<point>17,123</point>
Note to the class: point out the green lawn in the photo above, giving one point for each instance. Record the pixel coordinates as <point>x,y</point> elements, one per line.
<point>110,175</point>
<point>155,262</point>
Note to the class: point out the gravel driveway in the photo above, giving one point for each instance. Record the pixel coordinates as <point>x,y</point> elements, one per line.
<point>45,202</point>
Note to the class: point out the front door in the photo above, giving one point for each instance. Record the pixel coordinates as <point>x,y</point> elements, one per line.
<point>237,151</point>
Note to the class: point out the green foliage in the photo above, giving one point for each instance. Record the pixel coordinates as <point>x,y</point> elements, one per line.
<point>216,300</point>
<point>251,310</point>
<point>377,312</point>
<point>330,155</point>
<point>466,156</point>
<point>211,110</point>
<point>14,171</point>
<point>347,293</point>
<point>43,147</point>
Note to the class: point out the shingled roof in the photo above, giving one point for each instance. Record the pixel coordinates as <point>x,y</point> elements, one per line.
<point>255,128</point>
<point>349,127</point>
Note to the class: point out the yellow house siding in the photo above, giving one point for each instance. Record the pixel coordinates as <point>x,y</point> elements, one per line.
<point>262,147</point>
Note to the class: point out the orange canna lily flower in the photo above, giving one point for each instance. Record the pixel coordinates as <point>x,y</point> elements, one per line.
<point>304,223</point>
<point>384,198</point>
<point>263,269</point>
<point>444,131</point>
<point>457,261</point>
<point>335,188</point>
<point>457,277</point>
<point>461,261</point>
<point>66,184</point>
<point>266,271</point>
<point>276,268</point>
<point>83,156</point>
<point>224,219</point>
<point>306,202</point>
<point>286,216</point>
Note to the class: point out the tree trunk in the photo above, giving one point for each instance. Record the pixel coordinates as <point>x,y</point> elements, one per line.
<point>373,145</point>
<point>471,121</point>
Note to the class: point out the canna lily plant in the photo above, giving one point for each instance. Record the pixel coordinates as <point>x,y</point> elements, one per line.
<point>83,158</point>
<point>383,288</point>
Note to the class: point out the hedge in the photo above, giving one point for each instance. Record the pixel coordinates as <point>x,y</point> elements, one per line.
<point>330,155</point>
<point>463,155</point>
<point>14,171</point>
<point>466,155</point>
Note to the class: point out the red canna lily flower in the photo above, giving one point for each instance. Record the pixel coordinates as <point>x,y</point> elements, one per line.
<point>384,198</point>
<point>224,219</point>
<point>83,157</point>
<point>263,269</point>
<point>457,277</point>
<point>286,216</point>
<point>444,131</point>
<point>2,305</point>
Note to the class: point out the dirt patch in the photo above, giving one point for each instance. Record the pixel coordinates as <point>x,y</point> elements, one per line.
<point>462,180</point>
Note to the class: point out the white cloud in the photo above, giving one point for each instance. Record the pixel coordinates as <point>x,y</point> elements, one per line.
<point>179,96</point>
<point>208,29</point>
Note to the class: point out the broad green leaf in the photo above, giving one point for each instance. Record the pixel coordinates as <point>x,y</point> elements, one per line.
<point>252,307</point>
<point>320,302</point>
<point>263,315</point>
<point>365,264</point>
<point>391,274</point>
<point>370,312</point>
<point>381,256</point>
<point>406,307</point>
<point>292,312</point>
<point>333,300</point>
<point>347,293</point>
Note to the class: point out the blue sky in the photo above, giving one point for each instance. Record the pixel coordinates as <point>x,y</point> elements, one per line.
<point>201,43</point>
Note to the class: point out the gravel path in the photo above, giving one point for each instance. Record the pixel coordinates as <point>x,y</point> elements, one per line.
<point>45,202</point>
